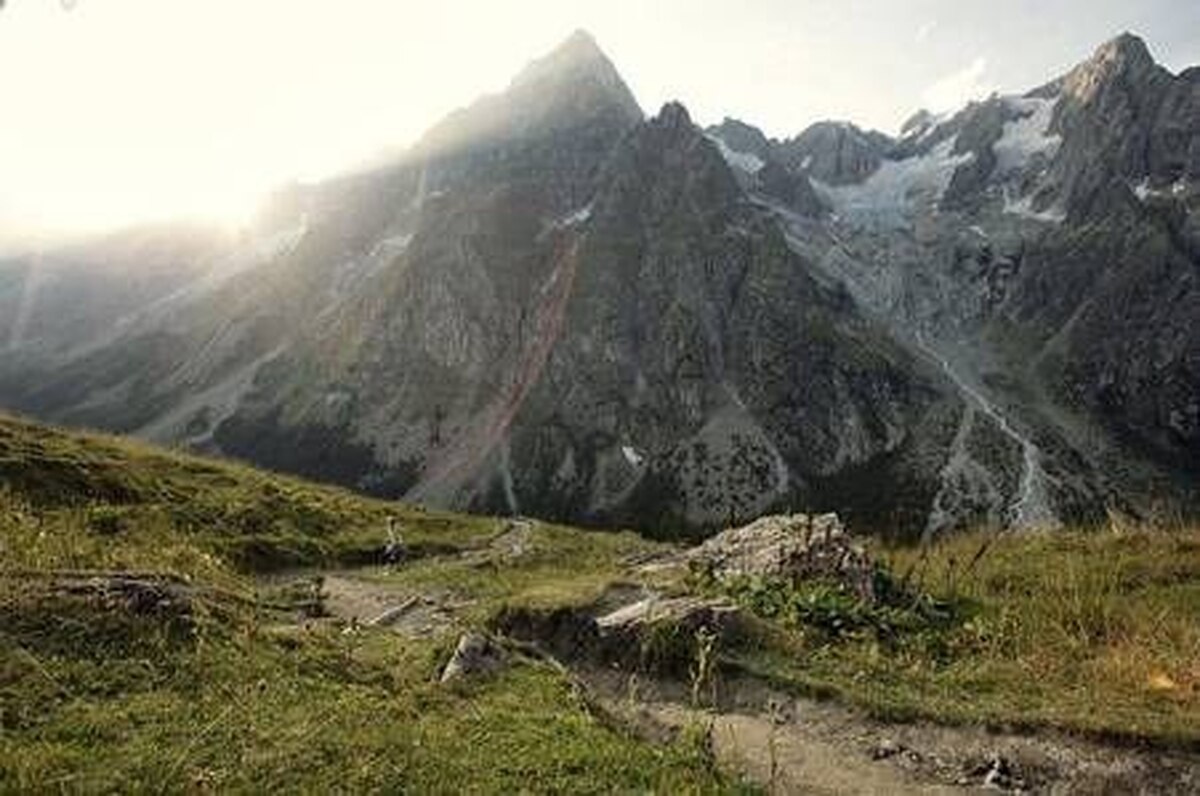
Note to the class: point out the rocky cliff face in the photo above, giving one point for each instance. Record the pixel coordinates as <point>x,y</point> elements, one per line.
<point>761,169</point>
<point>1042,248</point>
<point>836,153</point>
<point>554,306</point>
<point>656,356</point>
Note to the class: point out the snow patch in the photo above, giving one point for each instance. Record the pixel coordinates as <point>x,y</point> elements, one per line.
<point>1027,137</point>
<point>745,161</point>
<point>572,219</point>
<point>898,187</point>
<point>1023,207</point>
<point>927,128</point>
<point>1144,191</point>
<point>391,246</point>
<point>577,217</point>
<point>632,455</point>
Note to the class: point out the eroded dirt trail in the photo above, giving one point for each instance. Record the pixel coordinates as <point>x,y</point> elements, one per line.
<point>792,758</point>
<point>374,603</point>
<point>792,745</point>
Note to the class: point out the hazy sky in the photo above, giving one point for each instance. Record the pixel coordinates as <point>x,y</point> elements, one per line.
<point>121,110</point>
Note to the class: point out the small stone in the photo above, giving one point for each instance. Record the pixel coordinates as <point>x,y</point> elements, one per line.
<point>885,749</point>
<point>475,655</point>
<point>998,774</point>
<point>394,553</point>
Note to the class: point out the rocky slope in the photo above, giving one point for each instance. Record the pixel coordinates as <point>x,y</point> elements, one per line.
<point>554,306</point>
<point>1042,248</point>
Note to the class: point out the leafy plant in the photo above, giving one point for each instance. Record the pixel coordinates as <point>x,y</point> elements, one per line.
<point>832,612</point>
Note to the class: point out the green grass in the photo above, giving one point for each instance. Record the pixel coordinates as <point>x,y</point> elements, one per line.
<point>562,567</point>
<point>98,697</point>
<point>76,499</point>
<point>237,707</point>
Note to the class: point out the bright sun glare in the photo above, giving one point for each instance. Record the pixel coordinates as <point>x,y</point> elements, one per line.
<point>122,111</point>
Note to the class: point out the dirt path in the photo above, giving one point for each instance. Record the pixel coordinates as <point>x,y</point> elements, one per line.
<point>791,745</point>
<point>364,597</point>
<point>794,757</point>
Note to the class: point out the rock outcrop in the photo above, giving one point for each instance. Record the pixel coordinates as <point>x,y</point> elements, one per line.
<point>626,627</point>
<point>796,547</point>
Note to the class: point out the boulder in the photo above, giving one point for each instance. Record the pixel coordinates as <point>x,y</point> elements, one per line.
<point>797,546</point>
<point>691,613</point>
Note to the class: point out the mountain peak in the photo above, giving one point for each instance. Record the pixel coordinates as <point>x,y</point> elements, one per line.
<point>1126,48</point>
<point>583,42</point>
<point>577,56</point>
<point>918,123</point>
<point>742,137</point>
<point>573,85</point>
<point>835,152</point>
<point>1125,58</point>
<point>673,115</point>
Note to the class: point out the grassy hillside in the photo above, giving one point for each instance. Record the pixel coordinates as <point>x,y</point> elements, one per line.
<point>216,691</point>
<point>114,500</point>
<point>153,635</point>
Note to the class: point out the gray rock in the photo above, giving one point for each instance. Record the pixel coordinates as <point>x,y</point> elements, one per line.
<point>886,748</point>
<point>688,612</point>
<point>474,656</point>
<point>795,546</point>
<point>836,153</point>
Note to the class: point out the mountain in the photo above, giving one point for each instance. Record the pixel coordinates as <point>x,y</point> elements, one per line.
<point>761,168</point>
<point>835,153</point>
<point>568,90</point>
<point>1043,249</point>
<point>553,305</point>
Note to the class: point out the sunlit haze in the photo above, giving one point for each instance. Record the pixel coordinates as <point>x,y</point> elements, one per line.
<point>119,111</point>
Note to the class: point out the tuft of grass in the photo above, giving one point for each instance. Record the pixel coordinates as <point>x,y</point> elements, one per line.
<point>561,568</point>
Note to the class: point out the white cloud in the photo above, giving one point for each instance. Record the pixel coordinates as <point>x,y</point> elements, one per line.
<point>926,30</point>
<point>956,89</point>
